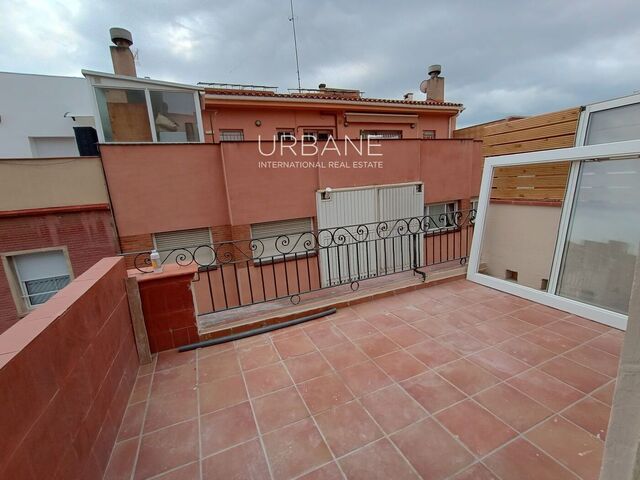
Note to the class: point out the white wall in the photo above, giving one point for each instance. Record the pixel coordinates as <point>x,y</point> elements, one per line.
<point>33,106</point>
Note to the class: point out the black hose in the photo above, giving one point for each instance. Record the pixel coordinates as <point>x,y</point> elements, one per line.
<point>256,331</point>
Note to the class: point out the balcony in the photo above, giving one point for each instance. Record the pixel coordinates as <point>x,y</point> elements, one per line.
<point>451,381</point>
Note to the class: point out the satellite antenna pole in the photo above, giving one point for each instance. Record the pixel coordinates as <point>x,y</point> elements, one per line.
<point>295,44</point>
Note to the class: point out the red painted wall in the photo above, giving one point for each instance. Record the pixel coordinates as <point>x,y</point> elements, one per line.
<point>88,236</point>
<point>66,374</point>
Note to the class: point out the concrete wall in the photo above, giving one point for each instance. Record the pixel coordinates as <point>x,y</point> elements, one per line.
<point>520,238</point>
<point>66,374</point>
<point>45,183</point>
<point>34,106</point>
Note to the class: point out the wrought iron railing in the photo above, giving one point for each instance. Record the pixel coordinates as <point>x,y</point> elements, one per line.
<point>237,273</point>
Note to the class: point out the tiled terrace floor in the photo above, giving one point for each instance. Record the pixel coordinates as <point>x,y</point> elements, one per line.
<point>453,381</point>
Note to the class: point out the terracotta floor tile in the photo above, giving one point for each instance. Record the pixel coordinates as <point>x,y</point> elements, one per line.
<point>165,410</point>
<point>326,336</point>
<point>409,313</point>
<point>347,427</point>
<point>132,421</point>
<point>392,408</point>
<point>489,334</point>
<point>364,378</point>
<point>174,380</point>
<point>467,376</point>
<point>482,312</point>
<point>191,471</point>
<point>324,392</point>
<point>501,364</point>
<point>432,391</point>
<point>279,409</point>
<point>405,335</point>
<point>522,461</point>
<point>526,352</point>
<point>569,445</point>
<point>148,368</point>
<point>545,389</point>
<point>432,354</point>
<point>433,326</point>
<point>385,321</point>
<point>357,329</point>
<point>476,472</point>
<point>218,366</point>
<point>344,355</point>
<point>455,301</point>
<point>400,365</point>
<point>461,342</point>
<point>432,451</point>
<point>225,428</point>
<point>478,429</point>
<point>534,316</point>
<point>573,331</point>
<point>504,305</point>
<point>141,389</point>
<point>221,393</point>
<point>433,307</point>
<point>378,461</point>
<point>608,342</point>
<point>582,378</point>
<point>554,312</point>
<point>513,407</point>
<point>257,355</point>
<point>330,471</point>
<point>173,358</point>
<point>294,346</point>
<point>294,449</point>
<point>583,322</point>
<point>591,415</point>
<point>605,394</point>
<point>167,448</point>
<point>550,340</point>
<point>595,359</point>
<point>223,347</point>
<point>376,345</point>
<point>267,379</point>
<point>122,460</point>
<point>244,461</point>
<point>459,319</point>
<point>511,325</point>
<point>306,367</point>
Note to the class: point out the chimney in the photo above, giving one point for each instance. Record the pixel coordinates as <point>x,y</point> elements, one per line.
<point>121,55</point>
<point>435,84</point>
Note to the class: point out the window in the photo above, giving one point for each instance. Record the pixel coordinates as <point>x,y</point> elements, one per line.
<point>145,115</point>
<point>231,135</point>
<point>474,203</point>
<point>296,240</point>
<point>317,135</point>
<point>285,135</point>
<point>174,116</point>
<point>428,134</point>
<point>381,134</point>
<point>124,115</point>
<point>196,244</point>
<point>614,125</point>
<point>441,215</point>
<point>39,276</point>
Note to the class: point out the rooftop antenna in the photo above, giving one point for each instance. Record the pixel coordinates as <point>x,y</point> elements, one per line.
<point>295,43</point>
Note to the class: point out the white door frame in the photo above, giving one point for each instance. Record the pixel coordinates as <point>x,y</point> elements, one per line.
<point>618,150</point>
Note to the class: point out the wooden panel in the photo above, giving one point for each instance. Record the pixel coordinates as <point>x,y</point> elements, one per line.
<point>556,168</point>
<point>129,122</point>
<point>563,141</point>
<point>530,182</point>
<point>569,115</point>
<point>546,131</point>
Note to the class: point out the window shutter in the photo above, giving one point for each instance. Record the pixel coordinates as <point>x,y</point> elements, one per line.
<point>187,240</point>
<point>269,231</point>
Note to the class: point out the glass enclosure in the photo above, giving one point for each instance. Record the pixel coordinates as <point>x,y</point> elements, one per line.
<point>123,115</point>
<point>614,125</point>
<point>174,116</point>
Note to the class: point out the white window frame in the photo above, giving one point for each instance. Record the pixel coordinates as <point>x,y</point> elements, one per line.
<point>583,122</point>
<point>474,203</point>
<point>455,205</point>
<point>112,82</point>
<point>16,284</point>
<point>617,150</point>
<point>424,137</point>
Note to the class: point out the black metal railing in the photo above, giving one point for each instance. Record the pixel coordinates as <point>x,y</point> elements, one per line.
<point>237,273</point>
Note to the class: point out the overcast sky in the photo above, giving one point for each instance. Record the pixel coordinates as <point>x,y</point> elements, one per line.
<point>499,58</point>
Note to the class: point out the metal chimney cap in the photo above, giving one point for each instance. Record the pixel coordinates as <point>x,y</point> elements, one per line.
<point>121,36</point>
<point>434,70</point>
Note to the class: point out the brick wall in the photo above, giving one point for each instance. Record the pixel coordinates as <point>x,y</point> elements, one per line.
<point>136,243</point>
<point>89,236</point>
<point>66,374</point>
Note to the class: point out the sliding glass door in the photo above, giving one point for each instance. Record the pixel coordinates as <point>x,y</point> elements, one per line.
<point>602,242</point>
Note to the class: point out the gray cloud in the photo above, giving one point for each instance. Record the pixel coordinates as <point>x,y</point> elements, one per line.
<point>500,58</point>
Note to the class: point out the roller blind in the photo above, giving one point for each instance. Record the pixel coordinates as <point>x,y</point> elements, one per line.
<point>196,241</point>
<point>269,231</point>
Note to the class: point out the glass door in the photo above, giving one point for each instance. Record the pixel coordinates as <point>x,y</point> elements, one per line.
<point>602,241</point>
